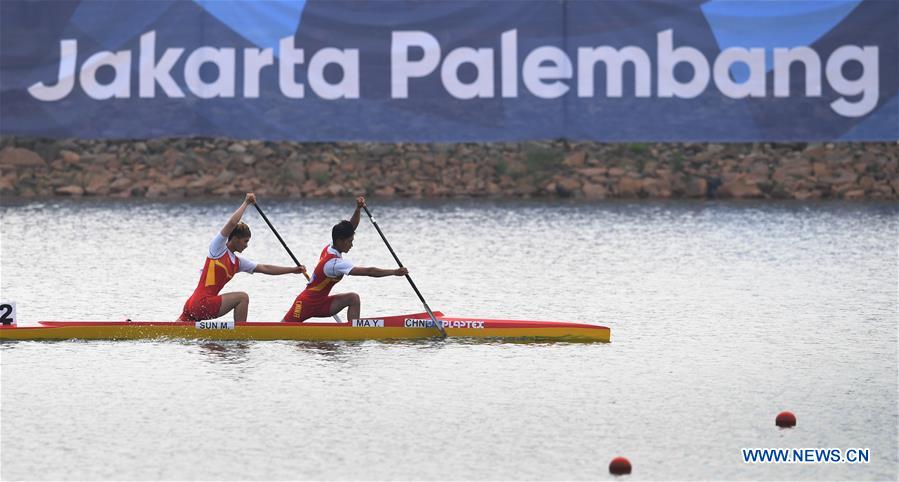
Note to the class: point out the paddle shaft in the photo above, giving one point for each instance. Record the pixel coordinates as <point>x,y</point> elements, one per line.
<point>294,258</point>
<point>438,324</point>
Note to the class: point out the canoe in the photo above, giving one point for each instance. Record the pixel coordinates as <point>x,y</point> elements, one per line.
<point>401,327</point>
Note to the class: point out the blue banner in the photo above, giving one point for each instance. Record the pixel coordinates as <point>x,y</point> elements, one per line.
<point>449,71</point>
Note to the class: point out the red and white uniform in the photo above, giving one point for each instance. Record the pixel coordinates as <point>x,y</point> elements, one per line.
<point>221,265</point>
<point>315,300</point>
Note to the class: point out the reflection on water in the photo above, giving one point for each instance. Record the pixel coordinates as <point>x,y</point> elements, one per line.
<point>728,312</point>
<point>326,348</point>
<point>329,351</point>
<point>234,352</point>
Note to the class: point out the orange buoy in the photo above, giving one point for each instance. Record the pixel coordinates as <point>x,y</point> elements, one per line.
<point>620,466</point>
<point>785,420</point>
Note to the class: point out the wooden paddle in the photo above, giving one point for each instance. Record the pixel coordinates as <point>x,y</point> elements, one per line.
<point>294,258</point>
<point>437,323</point>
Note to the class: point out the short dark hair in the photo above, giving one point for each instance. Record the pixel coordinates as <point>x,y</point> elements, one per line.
<point>342,230</point>
<point>240,231</point>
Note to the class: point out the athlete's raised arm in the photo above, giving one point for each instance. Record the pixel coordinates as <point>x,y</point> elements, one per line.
<point>235,218</point>
<point>360,201</point>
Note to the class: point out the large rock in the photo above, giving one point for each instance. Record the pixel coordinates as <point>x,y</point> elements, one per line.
<point>792,168</point>
<point>226,190</point>
<point>386,191</point>
<point>760,169</point>
<point>854,195</point>
<point>629,187</point>
<point>123,184</point>
<point>156,190</point>
<point>740,188</point>
<point>820,169</point>
<point>69,157</point>
<point>516,168</point>
<point>592,172</point>
<point>318,168</point>
<point>805,195</point>
<point>330,158</point>
<point>594,191</point>
<point>697,187</point>
<point>104,159</point>
<point>866,182</point>
<point>20,157</point>
<point>860,167</point>
<point>225,178</point>
<point>7,183</point>
<point>656,188</point>
<point>616,172</point>
<point>97,183</point>
<point>815,152</point>
<point>842,177</point>
<point>567,187</point>
<point>575,159</point>
<point>201,184</point>
<point>334,189</point>
<point>70,190</point>
<point>881,190</point>
<point>176,183</point>
<point>293,172</point>
<point>525,188</point>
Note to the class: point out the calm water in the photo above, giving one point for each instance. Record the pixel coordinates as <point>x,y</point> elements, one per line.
<point>722,315</point>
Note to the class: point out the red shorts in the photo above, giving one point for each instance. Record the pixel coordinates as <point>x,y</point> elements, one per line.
<point>303,309</point>
<point>201,308</point>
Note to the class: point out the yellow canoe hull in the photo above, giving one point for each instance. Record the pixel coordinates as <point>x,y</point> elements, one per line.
<point>292,333</point>
<point>406,327</point>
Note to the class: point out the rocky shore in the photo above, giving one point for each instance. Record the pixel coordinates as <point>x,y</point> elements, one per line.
<point>203,167</point>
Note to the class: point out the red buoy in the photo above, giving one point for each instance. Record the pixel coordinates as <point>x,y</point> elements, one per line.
<point>620,466</point>
<point>785,420</point>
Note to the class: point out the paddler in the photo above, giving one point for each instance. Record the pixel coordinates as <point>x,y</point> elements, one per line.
<point>316,300</point>
<point>222,263</point>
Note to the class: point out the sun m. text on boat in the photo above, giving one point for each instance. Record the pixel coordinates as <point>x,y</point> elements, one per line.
<point>215,325</point>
